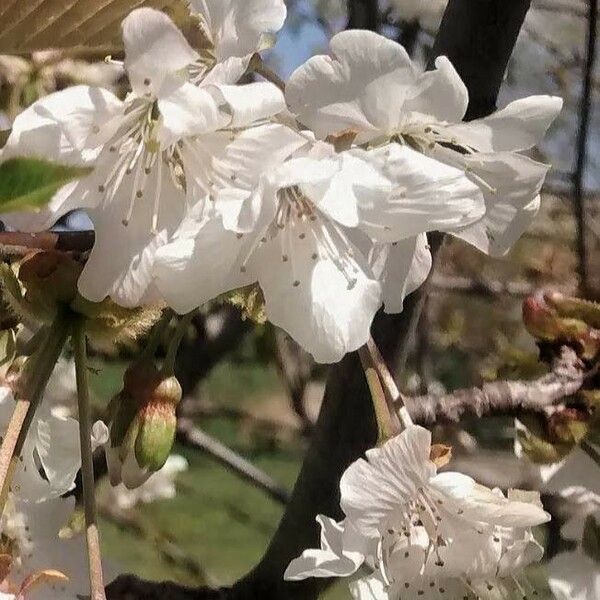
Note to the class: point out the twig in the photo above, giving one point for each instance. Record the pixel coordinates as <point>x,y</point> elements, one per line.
<point>260,68</point>
<point>195,437</point>
<point>170,551</point>
<point>566,7</point>
<point>19,244</point>
<point>582,136</point>
<point>566,378</point>
<point>481,287</point>
<point>87,466</point>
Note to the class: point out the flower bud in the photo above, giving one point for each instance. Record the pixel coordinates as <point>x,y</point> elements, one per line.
<point>50,281</point>
<point>143,424</point>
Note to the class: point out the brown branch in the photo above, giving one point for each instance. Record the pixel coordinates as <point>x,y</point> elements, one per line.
<point>194,437</point>
<point>566,378</point>
<point>19,244</point>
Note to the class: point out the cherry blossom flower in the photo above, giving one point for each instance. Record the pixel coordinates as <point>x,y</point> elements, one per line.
<point>574,576</point>
<point>297,231</point>
<point>418,531</point>
<point>370,87</point>
<point>160,486</point>
<point>30,537</point>
<point>51,448</point>
<point>146,151</point>
<point>233,32</point>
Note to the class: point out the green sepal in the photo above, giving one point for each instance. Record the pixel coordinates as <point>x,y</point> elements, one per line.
<point>156,436</point>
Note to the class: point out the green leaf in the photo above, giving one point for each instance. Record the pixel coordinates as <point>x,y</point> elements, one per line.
<point>30,183</point>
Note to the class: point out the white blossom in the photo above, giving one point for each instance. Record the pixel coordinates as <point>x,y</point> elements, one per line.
<point>297,229</point>
<point>574,576</point>
<point>160,486</point>
<point>420,532</point>
<point>370,87</point>
<point>233,32</point>
<point>51,456</point>
<point>146,151</point>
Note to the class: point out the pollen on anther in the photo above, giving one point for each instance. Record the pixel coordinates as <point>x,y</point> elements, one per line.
<point>239,236</point>
<point>139,194</point>
<point>302,236</point>
<point>242,269</point>
<point>101,188</point>
<point>284,258</point>
<point>296,283</point>
<point>314,256</point>
<point>147,81</point>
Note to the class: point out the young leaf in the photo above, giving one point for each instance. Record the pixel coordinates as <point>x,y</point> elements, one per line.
<point>30,183</point>
<point>29,25</point>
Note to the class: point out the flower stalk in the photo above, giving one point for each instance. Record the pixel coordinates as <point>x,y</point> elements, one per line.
<point>87,467</point>
<point>258,66</point>
<point>30,388</point>
<point>175,341</point>
<point>390,411</point>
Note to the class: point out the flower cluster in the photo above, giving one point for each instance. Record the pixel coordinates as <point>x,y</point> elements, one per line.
<point>321,196</point>
<point>423,534</point>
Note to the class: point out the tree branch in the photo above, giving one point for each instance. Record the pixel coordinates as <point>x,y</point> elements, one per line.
<point>566,378</point>
<point>190,435</point>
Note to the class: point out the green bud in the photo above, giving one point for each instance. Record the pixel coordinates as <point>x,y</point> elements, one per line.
<point>142,424</point>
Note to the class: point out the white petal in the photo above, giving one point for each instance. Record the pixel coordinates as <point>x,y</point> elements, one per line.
<point>521,125</point>
<point>57,445</point>
<point>375,488</point>
<point>361,87</point>
<point>201,263</point>
<point>154,49</point>
<point>121,262</point>
<point>65,127</point>
<point>404,267</point>
<point>186,111</point>
<point>237,28</point>
<point>327,311</point>
<point>574,576</point>
<point>426,195</point>
<point>479,503</point>
<point>511,208</point>
<point>251,102</point>
<point>440,93</point>
<point>238,161</point>
<point>355,188</point>
<point>330,560</point>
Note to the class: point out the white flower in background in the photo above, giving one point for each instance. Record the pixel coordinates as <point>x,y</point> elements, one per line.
<point>51,448</point>
<point>370,87</point>
<point>160,486</point>
<point>427,13</point>
<point>145,152</point>
<point>297,231</point>
<point>30,537</point>
<point>233,31</point>
<point>574,576</point>
<point>420,532</point>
